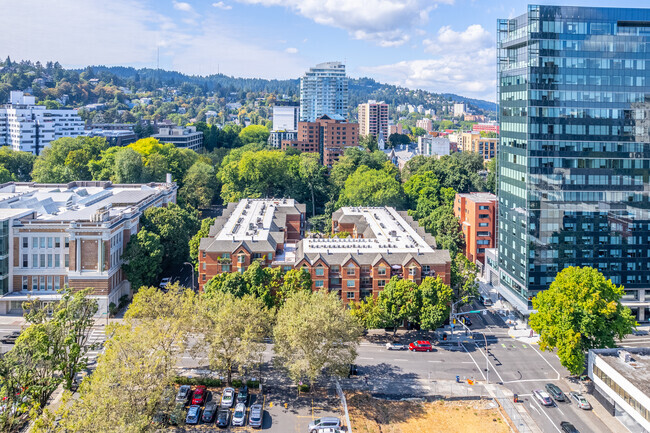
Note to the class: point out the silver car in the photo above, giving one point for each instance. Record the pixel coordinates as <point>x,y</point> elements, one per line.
<point>239,417</point>
<point>183,393</point>
<point>580,400</point>
<point>325,422</point>
<point>256,416</point>
<point>396,346</point>
<point>228,397</point>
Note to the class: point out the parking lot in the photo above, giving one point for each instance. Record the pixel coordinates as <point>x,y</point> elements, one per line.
<point>285,410</point>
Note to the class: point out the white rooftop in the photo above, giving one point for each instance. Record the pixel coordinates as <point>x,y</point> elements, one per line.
<point>391,235</point>
<point>252,219</point>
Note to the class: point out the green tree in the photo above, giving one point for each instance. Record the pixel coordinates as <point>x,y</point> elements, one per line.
<point>444,225</point>
<point>175,226</point>
<point>464,277</point>
<point>399,301</point>
<point>369,142</point>
<point>67,159</point>
<point>234,329</point>
<point>395,140</point>
<point>581,310</point>
<point>313,173</point>
<point>128,166</point>
<point>195,241</point>
<point>436,300</point>
<point>254,134</point>
<point>313,332</point>
<point>199,186</point>
<point>370,187</point>
<point>19,164</point>
<point>143,259</point>
<point>294,281</point>
<point>418,132</point>
<point>232,283</point>
<point>368,312</point>
<point>491,181</point>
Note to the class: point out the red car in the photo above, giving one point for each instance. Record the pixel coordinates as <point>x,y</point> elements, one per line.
<point>421,346</point>
<point>199,395</point>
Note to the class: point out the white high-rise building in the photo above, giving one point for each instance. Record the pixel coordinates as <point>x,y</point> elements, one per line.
<point>373,119</point>
<point>459,110</point>
<point>324,91</point>
<point>285,118</point>
<point>433,146</point>
<point>30,128</point>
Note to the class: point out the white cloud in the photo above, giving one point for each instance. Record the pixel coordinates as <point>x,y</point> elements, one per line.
<point>385,22</point>
<point>474,38</point>
<point>183,6</point>
<point>291,50</point>
<point>471,76</point>
<point>222,5</point>
<point>132,38</point>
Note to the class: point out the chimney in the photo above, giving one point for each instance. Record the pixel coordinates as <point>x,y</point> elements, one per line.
<point>168,179</point>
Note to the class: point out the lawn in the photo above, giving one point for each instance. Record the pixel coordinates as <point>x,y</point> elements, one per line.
<point>370,415</point>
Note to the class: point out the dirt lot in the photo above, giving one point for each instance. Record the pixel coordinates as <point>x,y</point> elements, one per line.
<point>370,415</point>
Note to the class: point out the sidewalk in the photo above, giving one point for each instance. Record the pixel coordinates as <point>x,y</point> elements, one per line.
<point>517,412</point>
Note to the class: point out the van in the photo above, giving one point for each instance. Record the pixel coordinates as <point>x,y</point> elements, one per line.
<point>322,423</point>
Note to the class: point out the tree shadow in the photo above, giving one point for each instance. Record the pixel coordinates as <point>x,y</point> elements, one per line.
<point>381,411</point>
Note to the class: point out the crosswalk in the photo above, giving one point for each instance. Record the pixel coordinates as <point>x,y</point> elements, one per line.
<point>96,339</point>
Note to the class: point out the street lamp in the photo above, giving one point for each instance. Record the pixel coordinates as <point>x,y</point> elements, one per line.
<point>487,360</point>
<point>192,268</point>
<point>451,313</point>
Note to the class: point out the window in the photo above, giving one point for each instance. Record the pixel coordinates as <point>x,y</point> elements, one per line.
<point>270,256</point>
<point>413,271</point>
<point>484,207</point>
<point>57,260</point>
<point>42,241</point>
<point>350,283</point>
<point>67,243</point>
<point>381,283</point>
<point>34,283</point>
<point>225,268</point>
<point>365,268</point>
<point>49,282</point>
<point>57,242</point>
<point>25,242</point>
<point>25,284</point>
<point>203,277</point>
<point>483,215</point>
<point>49,260</point>
<point>350,295</point>
<point>42,260</point>
<point>42,281</point>
<point>25,260</point>
<point>57,282</point>
<point>225,256</point>
<point>483,224</point>
<point>34,242</point>
<point>203,254</point>
<point>337,281</point>
<point>320,271</point>
<point>50,242</point>
<point>350,270</point>
<point>67,260</point>
<point>204,265</point>
<point>381,270</point>
<point>240,258</point>
<point>426,268</point>
<point>335,269</point>
<point>319,283</point>
<point>482,233</point>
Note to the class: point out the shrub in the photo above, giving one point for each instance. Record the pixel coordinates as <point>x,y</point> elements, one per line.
<point>206,381</point>
<point>253,384</point>
<point>303,388</point>
<point>123,302</point>
<point>237,383</point>
<point>112,309</point>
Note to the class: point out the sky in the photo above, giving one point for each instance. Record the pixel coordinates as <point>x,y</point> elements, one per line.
<point>445,46</point>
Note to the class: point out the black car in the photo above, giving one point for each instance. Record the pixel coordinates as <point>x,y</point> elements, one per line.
<point>555,392</point>
<point>242,395</point>
<point>223,418</point>
<point>11,338</point>
<point>209,412</point>
<point>567,427</point>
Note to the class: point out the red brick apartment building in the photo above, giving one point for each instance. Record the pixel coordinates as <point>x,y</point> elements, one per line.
<point>477,212</point>
<point>325,136</point>
<point>383,243</point>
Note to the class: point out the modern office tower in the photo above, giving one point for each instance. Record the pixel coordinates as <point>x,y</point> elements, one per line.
<point>324,91</point>
<point>459,110</point>
<point>373,119</point>
<point>29,127</point>
<point>574,156</point>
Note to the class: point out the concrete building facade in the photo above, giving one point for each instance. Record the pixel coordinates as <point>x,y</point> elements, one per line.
<point>324,92</point>
<point>373,119</point>
<point>429,145</point>
<point>187,137</point>
<point>286,117</point>
<point>72,235</point>
<point>426,124</point>
<point>477,214</point>
<point>473,142</point>
<point>27,127</point>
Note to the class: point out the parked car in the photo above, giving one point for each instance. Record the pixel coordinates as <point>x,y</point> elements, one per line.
<point>228,397</point>
<point>183,394</point>
<point>580,400</point>
<point>256,416</point>
<point>396,346</point>
<point>223,418</point>
<point>239,417</point>
<point>487,302</point>
<point>11,338</point>
<point>193,414</point>
<point>543,397</point>
<point>198,397</point>
<point>165,282</point>
<point>325,422</point>
<point>209,411</point>
<point>242,395</point>
<point>567,427</point>
<point>353,370</point>
<point>555,392</point>
<point>421,346</point>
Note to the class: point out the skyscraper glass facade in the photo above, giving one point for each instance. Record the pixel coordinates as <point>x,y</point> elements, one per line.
<point>574,156</point>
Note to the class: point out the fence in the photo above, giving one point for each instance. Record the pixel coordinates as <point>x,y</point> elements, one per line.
<point>344,403</point>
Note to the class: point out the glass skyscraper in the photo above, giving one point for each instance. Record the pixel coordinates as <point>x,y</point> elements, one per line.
<point>574,155</point>
<point>324,91</point>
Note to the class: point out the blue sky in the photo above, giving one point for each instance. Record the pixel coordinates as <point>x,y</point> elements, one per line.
<point>437,45</point>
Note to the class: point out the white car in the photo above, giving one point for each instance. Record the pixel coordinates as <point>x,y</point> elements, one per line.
<point>543,397</point>
<point>165,282</point>
<point>228,397</point>
<point>396,346</point>
<point>239,417</point>
<point>580,400</point>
